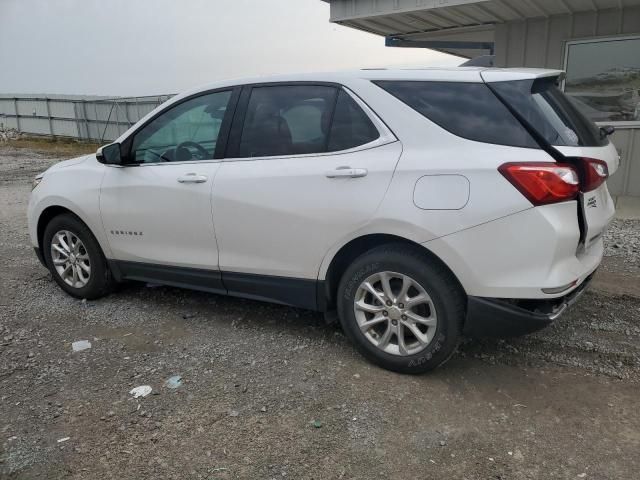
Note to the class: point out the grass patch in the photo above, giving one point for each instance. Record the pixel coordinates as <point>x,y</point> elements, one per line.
<point>62,147</point>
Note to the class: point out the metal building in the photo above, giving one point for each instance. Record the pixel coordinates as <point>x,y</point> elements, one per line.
<point>597,42</point>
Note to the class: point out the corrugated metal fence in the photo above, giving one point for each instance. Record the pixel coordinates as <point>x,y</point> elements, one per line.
<point>98,119</point>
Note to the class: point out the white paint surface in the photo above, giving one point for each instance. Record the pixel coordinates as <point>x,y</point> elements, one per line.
<point>282,216</point>
<point>441,192</point>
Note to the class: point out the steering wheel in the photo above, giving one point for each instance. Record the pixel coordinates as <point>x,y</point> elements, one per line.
<point>183,147</point>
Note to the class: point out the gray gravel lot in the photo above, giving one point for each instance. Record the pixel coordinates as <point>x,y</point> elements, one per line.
<point>272,392</point>
<point>623,247</point>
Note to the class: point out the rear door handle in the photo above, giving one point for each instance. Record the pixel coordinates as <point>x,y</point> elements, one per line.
<point>192,178</point>
<point>347,172</point>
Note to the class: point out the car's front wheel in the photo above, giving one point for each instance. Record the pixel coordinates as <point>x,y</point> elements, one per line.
<point>75,258</point>
<point>401,310</point>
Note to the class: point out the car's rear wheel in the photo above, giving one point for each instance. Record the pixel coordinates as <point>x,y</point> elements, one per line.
<point>75,259</point>
<point>402,311</point>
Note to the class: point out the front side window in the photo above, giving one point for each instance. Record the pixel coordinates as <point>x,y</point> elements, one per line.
<point>188,131</point>
<point>603,78</point>
<point>469,110</point>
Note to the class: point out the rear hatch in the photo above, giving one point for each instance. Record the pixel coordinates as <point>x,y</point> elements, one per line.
<point>556,123</point>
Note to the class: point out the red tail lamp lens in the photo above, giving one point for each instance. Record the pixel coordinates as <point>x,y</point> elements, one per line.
<point>543,183</point>
<point>596,173</point>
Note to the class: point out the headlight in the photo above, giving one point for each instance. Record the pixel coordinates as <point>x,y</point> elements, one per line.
<point>36,182</point>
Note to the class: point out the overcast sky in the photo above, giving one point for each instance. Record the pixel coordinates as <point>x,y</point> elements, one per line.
<point>144,47</point>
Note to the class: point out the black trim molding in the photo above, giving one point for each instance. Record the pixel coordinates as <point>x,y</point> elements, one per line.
<point>295,292</point>
<point>192,278</point>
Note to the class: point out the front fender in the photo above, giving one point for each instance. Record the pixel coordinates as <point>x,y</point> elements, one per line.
<point>75,188</point>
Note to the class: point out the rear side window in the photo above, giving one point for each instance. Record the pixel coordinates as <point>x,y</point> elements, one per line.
<point>287,120</point>
<point>351,127</point>
<point>552,113</point>
<point>469,110</point>
<point>302,119</point>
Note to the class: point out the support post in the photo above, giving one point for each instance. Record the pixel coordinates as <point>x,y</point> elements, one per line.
<point>108,120</point>
<point>97,122</point>
<point>86,120</point>
<point>15,108</point>
<point>49,116</point>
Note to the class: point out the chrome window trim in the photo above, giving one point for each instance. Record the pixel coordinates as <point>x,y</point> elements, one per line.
<point>166,164</point>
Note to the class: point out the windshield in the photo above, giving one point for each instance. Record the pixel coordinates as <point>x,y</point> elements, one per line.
<point>553,114</point>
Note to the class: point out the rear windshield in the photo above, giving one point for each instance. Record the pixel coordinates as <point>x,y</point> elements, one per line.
<point>469,110</point>
<point>552,113</point>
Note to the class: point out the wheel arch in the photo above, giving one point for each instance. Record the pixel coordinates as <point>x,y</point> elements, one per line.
<point>360,245</point>
<point>52,211</point>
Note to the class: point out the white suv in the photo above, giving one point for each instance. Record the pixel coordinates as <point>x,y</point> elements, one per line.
<point>417,205</point>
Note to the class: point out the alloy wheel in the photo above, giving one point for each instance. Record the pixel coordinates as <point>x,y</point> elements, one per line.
<point>395,313</point>
<point>70,259</point>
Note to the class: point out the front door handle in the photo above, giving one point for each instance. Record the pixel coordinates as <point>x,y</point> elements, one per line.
<point>347,172</point>
<point>192,178</point>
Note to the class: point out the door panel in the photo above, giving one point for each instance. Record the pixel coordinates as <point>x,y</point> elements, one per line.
<point>150,214</point>
<point>157,209</point>
<point>279,216</point>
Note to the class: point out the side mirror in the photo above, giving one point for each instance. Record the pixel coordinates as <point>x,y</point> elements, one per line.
<point>109,154</point>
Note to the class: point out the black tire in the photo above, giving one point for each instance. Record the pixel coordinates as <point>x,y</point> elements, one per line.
<point>449,301</point>
<point>100,281</point>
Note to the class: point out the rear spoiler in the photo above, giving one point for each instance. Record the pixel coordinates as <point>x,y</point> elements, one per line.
<point>491,75</point>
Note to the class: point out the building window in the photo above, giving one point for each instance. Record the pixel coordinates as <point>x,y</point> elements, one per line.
<point>603,78</point>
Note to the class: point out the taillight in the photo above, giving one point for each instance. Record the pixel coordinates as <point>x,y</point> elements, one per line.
<point>594,173</point>
<point>543,183</point>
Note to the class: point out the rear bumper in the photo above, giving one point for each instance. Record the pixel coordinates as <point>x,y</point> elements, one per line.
<point>521,255</point>
<point>490,317</point>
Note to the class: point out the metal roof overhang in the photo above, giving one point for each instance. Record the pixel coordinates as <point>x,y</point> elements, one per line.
<point>454,20</point>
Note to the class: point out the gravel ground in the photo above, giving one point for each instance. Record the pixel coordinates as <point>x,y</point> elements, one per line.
<point>622,242</point>
<point>272,392</point>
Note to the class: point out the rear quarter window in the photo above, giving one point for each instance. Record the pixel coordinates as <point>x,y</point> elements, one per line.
<point>468,110</point>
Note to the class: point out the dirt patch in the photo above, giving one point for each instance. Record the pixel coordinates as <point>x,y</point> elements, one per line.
<point>273,392</point>
<point>51,146</point>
